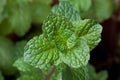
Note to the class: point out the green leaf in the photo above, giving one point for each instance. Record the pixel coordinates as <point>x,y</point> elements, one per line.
<point>33,75</point>
<point>63,42</point>
<point>1,77</point>
<point>76,56</point>
<point>23,66</point>
<point>66,9</point>
<point>30,77</point>
<point>105,11</point>
<point>19,48</point>
<point>75,74</point>
<point>81,5</point>
<point>5,27</point>
<point>6,56</point>
<point>59,29</point>
<point>2,5</point>
<point>41,53</point>
<point>19,15</point>
<point>39,11</point>
<point>57,75</point>
<point>102,75</point>
<point>27,71</point>
<point>90,31</point>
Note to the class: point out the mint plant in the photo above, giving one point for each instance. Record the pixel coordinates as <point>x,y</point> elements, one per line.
<point>65,44</point>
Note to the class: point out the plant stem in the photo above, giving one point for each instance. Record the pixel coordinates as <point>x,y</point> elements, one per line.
<point>50,73</point>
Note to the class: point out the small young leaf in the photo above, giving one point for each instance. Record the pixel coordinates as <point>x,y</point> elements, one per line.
<point>90,31</point>
<point>66,9</point>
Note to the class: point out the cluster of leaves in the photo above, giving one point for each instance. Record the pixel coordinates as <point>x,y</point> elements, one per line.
<point>65,43</point>
<point>99,10</point>
<point>18,15</point>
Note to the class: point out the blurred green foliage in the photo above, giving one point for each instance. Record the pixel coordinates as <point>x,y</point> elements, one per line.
<point>17,17</point>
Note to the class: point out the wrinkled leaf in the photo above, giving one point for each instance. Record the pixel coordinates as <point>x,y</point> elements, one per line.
<point>41,53</point>
<point>66,9</point>
<point>77,56</point>
<point>23,66</point>
<point>90,31</point>
<point>57,28</point>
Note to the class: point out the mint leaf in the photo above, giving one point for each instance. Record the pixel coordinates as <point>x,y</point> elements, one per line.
<point>102,75</point>
<point>27,71</point>
<point>90,31</point>
<point>76,56</point>
<point>66,9</point>
<point>23,66</point>
<point>57,28</point>
<point>19,48</point>
<point>81,5</point>
<point>41,53</point>
<point>63,42</point>
<point>75,74</point>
